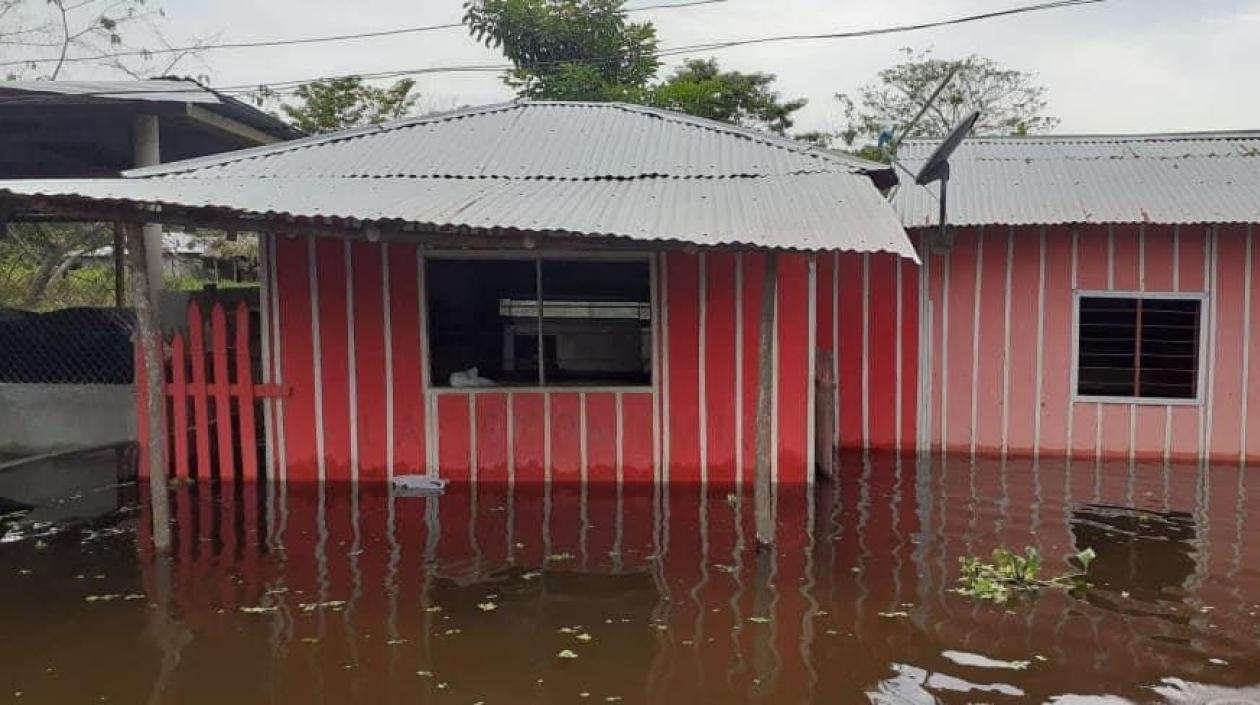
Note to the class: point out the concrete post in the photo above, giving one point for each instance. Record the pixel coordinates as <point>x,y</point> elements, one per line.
<point>146,151</point>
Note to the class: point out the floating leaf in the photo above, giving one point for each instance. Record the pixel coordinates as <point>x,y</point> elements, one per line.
<point>1086,557</point>
<point>584,637</point>
<point>260,609</point>
<point>425,674</point>
<point>893,615</point>
<point>566,653</point>
<point>487,606</point>
<point>759,620</point>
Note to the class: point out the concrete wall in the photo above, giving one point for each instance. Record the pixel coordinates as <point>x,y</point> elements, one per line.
<point>36,418</point>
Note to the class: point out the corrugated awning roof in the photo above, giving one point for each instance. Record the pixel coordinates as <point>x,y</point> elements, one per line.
<point>1167,179</point>
<point>599,169</point>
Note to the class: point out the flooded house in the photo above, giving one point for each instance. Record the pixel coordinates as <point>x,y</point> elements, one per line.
<point>538,292</point>
<point>1095,297</point>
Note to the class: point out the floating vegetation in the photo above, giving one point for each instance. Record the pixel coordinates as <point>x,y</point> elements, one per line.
<point>309,607</point>
<point>1009,573</point>
<point>260,609</point>
<point>566,653</point>
<point>894,615</point>
<point>487,606</point>
<point>759,620</point>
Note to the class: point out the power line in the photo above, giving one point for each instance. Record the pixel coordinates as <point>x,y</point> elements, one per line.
<point>280,86</point>
<point>146,53</point>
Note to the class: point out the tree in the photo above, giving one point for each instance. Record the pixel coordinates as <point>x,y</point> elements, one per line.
<point>700,88</point>
<point>124,36</point>
<point>342,103</point>
<point>1010,102</point>
<point>567,49</point>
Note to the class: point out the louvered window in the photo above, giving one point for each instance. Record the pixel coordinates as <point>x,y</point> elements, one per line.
<point>1144,347</point>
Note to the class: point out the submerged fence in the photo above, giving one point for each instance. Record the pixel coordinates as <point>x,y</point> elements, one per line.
<point>212,398</point>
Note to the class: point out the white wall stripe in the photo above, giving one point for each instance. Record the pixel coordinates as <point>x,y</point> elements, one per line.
<point>1133,413</point>
<point>1041,338</point>
<point>774,374</point>
<point>1246,361</point>
<point>317,358</point>
<point>547,442</point>
<point>662,467</point>
<point>265,332</point>
<point>277,361</point>
<point>927,315</point>
<point>739,368</point>
<point>657,364</point>
<point>583,466</point>
<point>866,351</point>
<point>511,440</point>
<point>431,439</point>
<point>1176,285</point>
<point>948,266</point>
<point>702,405</point>
<point>1209,397</point>
<point>388,320</point>
<point>472,439</point>
<point>352,365</point>
<point>811,427</point>
<point>1071,391</point>
<point>835,337</point>
<point>620,430</point>
<point>1006,341</point>
<point>975,334</point>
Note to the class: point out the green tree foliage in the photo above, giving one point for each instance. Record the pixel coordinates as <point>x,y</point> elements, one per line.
<point>567,49</point>
<point>588,50</point>
<point>700,88</point>
<point>342,103</point>
<point>1010,102</point>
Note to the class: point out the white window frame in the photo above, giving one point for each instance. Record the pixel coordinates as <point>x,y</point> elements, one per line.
<point>1203,361</point>
<point>432,387</point>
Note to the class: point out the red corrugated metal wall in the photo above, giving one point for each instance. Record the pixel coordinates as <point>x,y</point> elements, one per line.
<point>1001,305</point>
<point>346,324</point>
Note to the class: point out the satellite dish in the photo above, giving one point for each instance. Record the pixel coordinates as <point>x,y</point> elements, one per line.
<point>936,168</point>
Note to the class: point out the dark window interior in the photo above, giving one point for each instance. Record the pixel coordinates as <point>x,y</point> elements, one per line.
<point>1138,347</point>
<point>591,325</point>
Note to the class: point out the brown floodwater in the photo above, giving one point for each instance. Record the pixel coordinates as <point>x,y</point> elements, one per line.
<point>333,594</point>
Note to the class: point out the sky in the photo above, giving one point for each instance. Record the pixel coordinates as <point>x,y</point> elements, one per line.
<point>1119,66</point>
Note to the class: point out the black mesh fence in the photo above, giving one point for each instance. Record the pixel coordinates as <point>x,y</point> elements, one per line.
<point>67,346</point>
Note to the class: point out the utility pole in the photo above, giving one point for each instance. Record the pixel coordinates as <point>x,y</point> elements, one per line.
<point>763,499</point>
<point>148,337</point>
<point>146,151</point>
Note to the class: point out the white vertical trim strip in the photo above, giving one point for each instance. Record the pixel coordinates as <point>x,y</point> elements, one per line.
<point>702,392</point>
<point>1210,266</point>
<point>352,366</point>
<point>774,375</point>
<point>945,277</point>
<point>277,362</point>
<point>317,358</point>
<point>1041,339</point>
<point>899,360</point>
<point>1176,285</point>
<point>511,439</point>
<point>662,467</point>
<point>975,334</point>
<point>547,441</point>
<point>866,350</point>
<point>387,317</point>
<point>811,394</point>
<point>1071,392</point>
<point>1133,409</point>
<point>265,284</point>
<point>620,430</point>
<point>657,364</point>
<point>926,349</point>
<point>1246,362</point>
<point>835,338</point>
<point>431,439</point>
<point>1006,342</point>
<point>739,368</point>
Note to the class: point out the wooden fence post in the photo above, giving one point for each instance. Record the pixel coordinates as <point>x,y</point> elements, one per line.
<point>763,499</point>
<point>149,340</point>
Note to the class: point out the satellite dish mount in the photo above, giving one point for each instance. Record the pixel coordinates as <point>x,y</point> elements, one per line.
<point>936,168</point>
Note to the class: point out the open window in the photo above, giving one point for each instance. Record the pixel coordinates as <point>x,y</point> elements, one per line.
<point>1139,346</point>
<point>539,322</point>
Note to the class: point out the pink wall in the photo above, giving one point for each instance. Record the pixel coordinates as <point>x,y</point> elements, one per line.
<point>349,343</point>
<point>1000,327</point>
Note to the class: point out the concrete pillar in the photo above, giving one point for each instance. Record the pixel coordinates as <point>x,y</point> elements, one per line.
<point>146,151</point>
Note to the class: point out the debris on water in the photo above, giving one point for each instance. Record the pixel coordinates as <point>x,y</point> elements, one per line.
<point>567,654</point>
<point>309,640</point>
<point>1008,572</point>
<point>963,658</point>
<point>759,620</point>
<point>557,557</point>
<point>893,615</point>
<point>335,605</point>
<point>395,642</point>
<point>723,568</point>
<point>260,609</point>
<point>487,606</point>
<point>425,674</point>
<point>584,637</point>
<point>433,608</point>
<point>452,631</point>
<point>418,484</point>
<point>531,575</point>
<point>1218,662</point>
<point>102,598</point>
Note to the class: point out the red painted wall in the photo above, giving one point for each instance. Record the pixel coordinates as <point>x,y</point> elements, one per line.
<point>350,345</point>
<point>1001,334</point>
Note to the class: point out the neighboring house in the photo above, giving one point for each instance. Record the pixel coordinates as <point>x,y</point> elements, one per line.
<point>186,255</point>
<point>1097,297</point>
<point>550,291</point>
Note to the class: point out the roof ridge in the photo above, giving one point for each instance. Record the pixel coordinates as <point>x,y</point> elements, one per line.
<point>853,164</point>
<point>1193,136</point>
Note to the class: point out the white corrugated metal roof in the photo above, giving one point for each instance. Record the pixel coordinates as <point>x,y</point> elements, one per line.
<point>151,90</point>
<point>1167,179</point>
<point>601,169</point>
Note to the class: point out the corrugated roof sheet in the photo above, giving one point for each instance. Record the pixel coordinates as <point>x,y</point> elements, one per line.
<point>583,168</point>
<point>151,90</point>
<point>1167,179</point>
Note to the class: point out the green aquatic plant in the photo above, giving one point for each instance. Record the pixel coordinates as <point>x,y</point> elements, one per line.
<point>1008,573</point>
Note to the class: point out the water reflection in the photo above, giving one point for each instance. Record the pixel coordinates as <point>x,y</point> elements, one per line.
<point>335,594</point>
